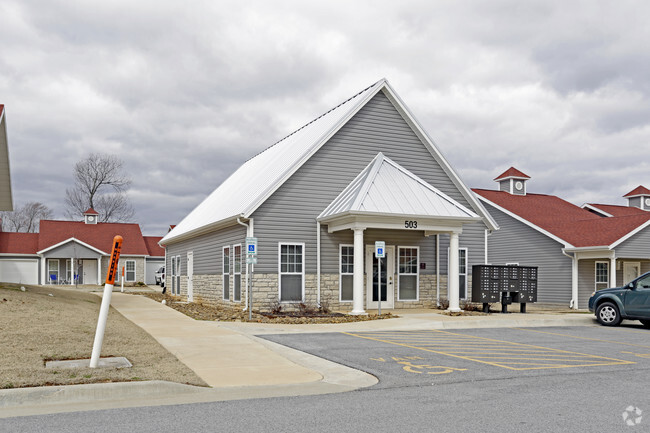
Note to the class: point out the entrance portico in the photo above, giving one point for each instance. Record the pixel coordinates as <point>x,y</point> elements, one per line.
<point>386,196</point>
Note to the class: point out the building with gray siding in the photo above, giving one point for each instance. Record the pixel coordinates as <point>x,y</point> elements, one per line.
<point>578,249</point>
<point>317,201</point>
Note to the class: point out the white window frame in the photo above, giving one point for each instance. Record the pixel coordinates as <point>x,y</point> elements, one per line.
<point>596,282</point>
<point>417,274</point>
<point>58,270</point>
<point>234,270</point>
<point>459,274</point>
<point>341,273</point>
<point>280,273</point>
<point>225,275</point>
<point>126,271</point>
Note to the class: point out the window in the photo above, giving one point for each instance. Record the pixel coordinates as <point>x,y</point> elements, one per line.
<point>346,277</point>
<point>53,271</point>
<point>462,273</point>
<point>292,272</point>
<point>602,274</point>
<point>408,274</point>
<point>226,273</point>
<point>176,275</point>
<point>173,275</point>
<point>130,271</point>
<point>237,273</point>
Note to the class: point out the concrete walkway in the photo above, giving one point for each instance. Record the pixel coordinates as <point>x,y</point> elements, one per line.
<point>237,365</point>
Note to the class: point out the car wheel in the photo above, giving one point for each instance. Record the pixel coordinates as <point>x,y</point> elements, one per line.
<point>607,314</point>
<point>646,323</point>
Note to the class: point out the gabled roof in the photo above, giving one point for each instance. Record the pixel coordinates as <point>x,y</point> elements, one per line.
<point>259,177</point>
<point>511,173</point>
<point>91,211</point>
<point>638,191</point>
<point>152,246</point>
<point>99,236</point>
<point>18,243</point>
<point>610,210</point>
<point>564,221</point>
<point>385,187</point>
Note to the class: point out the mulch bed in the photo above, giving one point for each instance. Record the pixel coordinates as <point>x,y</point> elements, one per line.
<point>203,311</point>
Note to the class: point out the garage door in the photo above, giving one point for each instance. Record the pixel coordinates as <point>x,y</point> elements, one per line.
<point>151,269</point>
<point>19,271</point>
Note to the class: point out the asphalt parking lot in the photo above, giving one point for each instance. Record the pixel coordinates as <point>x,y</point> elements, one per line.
<point>413,358</point>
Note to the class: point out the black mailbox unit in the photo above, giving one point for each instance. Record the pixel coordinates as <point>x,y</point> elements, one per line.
<point>505,284</point>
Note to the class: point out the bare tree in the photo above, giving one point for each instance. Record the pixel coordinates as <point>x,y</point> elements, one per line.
<point>26,219</point>
<point>100,183</point>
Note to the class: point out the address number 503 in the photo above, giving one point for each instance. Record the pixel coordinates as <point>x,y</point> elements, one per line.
<point>410,224</point>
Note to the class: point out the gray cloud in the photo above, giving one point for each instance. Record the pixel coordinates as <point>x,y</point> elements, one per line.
<point>186,92</point>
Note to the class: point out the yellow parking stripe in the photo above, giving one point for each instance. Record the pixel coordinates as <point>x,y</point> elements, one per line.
<point>583,338</point>
<point>498,353</point>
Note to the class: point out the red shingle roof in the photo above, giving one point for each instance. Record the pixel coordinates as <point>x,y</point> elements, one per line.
<point>616,210</point>
<point>512,172</point>
<point>91,211</point>
<point>18,243</point>
<point>639,190</point>
<point>98,235</point>
<point>574,225</point>
<point>154,249</point>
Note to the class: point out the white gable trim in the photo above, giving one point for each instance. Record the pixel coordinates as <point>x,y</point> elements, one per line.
<point>595,209</point>
<point>630,234</point>
<point>435,152</point>
<point>72,240</point>
<point>319,143</point>
<point>526,222</point>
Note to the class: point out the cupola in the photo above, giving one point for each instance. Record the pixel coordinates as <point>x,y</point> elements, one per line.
<point>639,197</point>
<point>91,216</point>
<point>512,181</point>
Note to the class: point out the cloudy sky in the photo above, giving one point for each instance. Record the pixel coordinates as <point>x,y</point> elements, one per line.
<point>185,92</point>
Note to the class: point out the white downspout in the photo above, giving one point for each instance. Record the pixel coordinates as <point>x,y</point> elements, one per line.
<point>573,304</point>
<point>318,264</point>
<point>249,234</point>
<point>438,270</point>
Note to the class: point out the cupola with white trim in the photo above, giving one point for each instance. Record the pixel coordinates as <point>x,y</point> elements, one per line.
<point>91,216</point>
<point>639,197</point>
<point>512,181</point>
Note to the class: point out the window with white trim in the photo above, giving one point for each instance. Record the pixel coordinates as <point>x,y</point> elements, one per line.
<point>291,272</point>
<point>462,273</point>
<point>346,272</point>
<point>408,273</point>
<point>129,272</point>
<point>53,271</point>
<point>237,273</point>
<point>226,273</point>
<point>602,275</point>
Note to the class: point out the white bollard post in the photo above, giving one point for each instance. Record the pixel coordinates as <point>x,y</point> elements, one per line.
<point>106,302</point>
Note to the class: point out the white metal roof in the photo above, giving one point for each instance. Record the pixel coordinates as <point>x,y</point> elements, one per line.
<point>259,177</point>
<point>385,187</point>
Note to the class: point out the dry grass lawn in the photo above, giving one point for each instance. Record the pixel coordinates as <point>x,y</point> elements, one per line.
<point>36,327</point>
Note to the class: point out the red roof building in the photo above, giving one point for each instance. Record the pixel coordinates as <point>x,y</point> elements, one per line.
<point>577,249</point>
<point>77,252</point>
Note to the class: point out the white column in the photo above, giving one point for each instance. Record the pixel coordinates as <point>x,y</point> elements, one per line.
<point>44,276</point>
<point>357,287</point>
<point>574,282</point>
<point>452,274</point>
<point>99,270</point>
<point>612,272</point>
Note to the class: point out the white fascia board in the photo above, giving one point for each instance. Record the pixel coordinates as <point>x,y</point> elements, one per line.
<point>526,222</point>
<point>19,255</point>
<point>436,153</point>
<point>226,222</point>
<point>319,143</point>
<point>630,234</point>
<point>595,209</point>
<point>73,240</point>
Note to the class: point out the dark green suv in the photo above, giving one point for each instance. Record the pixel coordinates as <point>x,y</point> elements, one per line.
<point>631,301</point>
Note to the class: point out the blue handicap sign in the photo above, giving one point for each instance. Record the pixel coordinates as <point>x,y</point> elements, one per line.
<point>380,252</point>
<point>251,248</point>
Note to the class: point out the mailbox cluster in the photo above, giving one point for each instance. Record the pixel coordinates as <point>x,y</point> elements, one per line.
<point>505,284</point>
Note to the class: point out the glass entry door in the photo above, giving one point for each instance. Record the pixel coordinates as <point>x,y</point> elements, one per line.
<point>373,278</point>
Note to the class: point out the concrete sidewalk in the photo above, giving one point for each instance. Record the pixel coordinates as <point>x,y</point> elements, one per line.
<point>237,365</point>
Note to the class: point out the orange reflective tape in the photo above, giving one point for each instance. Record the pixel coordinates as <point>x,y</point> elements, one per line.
<point>115,257</point>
